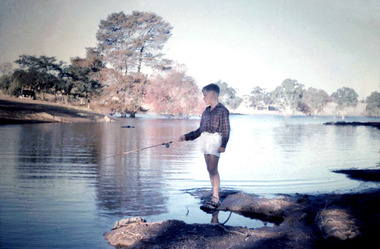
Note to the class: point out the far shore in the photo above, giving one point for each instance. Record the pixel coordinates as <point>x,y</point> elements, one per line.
<point>23,111</point>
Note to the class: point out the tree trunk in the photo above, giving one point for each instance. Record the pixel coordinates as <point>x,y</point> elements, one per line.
<point>140,59</point>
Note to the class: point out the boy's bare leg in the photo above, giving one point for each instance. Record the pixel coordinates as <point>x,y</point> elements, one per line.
<point>212,168</point>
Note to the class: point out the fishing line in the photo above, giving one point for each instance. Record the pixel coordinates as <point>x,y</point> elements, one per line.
<point>167,145</point>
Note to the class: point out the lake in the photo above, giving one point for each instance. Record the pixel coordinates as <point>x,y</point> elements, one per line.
<point>57,189</point>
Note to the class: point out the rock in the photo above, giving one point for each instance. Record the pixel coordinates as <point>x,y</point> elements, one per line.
<point>338,224</point>
<point>124,222</point>
<point>178,234</point>
<point>306,222</point>
<point>267,209</point>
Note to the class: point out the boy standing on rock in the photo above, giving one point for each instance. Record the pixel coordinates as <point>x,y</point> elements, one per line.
<point>214,132</point>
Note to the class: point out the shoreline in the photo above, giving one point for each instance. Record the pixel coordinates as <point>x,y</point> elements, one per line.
<point>26,111</point>
<point>326,220</point>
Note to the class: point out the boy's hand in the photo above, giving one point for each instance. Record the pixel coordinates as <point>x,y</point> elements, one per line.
<point>221,150</point>
<point>181,138</point>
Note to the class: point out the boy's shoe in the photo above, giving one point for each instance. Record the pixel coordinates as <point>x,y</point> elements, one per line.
<point>215,202</point>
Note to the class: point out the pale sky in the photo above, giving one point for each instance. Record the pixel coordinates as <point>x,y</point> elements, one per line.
<point>321,43</point>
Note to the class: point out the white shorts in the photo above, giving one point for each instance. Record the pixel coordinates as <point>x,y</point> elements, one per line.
<point>210,143</point>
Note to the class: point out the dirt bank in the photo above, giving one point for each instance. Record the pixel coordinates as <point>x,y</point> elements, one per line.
<point>301,221</point>
<point>19,111</point>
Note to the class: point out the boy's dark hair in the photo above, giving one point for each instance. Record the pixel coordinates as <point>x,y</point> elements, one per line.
<point>212,87</point>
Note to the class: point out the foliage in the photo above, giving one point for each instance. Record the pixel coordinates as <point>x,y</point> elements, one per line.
<point>42,64</point>
<point>345,97</point>
<point>46,75</point>
<point>6,84</point>
<point>287,97</point>
<point>93,60</point>
<point>314,100</point>
<point>128,41</point>
<point>78,83</point>
<point>373,104</point>
<point>174,93</point>
<point>125,44</point>
<point>126,95</point>
<point>228,96</point>
<point>34,79</point>
<point>40,74</point>
<point>259,97</point>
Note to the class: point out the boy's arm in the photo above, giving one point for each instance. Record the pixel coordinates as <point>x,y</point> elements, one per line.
<point>193,135</point>
<point>225,127</point>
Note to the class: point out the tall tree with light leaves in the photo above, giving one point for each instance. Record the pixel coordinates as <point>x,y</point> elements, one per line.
<point>228,95</point>
<point>314,100</point>
<point>127,42</point>
<point>345,97</point>
<point>287,97</point>
<point>373,104</point>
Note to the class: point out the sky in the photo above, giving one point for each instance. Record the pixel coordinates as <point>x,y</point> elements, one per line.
<point>246,43</point>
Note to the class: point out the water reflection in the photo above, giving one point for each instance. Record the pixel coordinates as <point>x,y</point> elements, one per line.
<point>54,151</point>
<point>55,183</point>
<point>134,184</point>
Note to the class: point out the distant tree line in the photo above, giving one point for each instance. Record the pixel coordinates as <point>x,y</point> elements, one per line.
<point>292,96</point>
<point>127,73</point>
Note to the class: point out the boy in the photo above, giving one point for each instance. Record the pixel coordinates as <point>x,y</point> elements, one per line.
<point>214,132</point>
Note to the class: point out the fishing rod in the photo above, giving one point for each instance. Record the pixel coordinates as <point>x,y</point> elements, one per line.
<point>167,145</point>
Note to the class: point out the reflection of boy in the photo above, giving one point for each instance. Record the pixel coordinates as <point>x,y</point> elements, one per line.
<point>214,132</point>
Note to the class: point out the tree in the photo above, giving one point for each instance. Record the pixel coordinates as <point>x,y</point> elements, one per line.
<point>373,104</point>
<point>228,96</point>
<point>42,64</point>
<point>78,84</point>
<point>83,75</point>
<point>345,97</point>
<point>287,97</point>
<point>174,93</point>
<point>129,41</point>
<point>314,100</point>
<point>125,95</point>
<point>40,74</point>
<point>35,80</point>
<point>93,61</point>
<point>6,84</point>
<point>126,43</point>
<point>258,97</point>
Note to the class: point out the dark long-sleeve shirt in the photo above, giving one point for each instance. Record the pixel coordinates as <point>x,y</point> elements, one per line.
<point>215,120</point>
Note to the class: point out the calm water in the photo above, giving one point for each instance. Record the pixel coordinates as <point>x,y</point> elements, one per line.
<point>57,190</point>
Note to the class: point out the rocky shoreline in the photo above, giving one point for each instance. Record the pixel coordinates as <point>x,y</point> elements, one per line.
<point>301,221</point>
